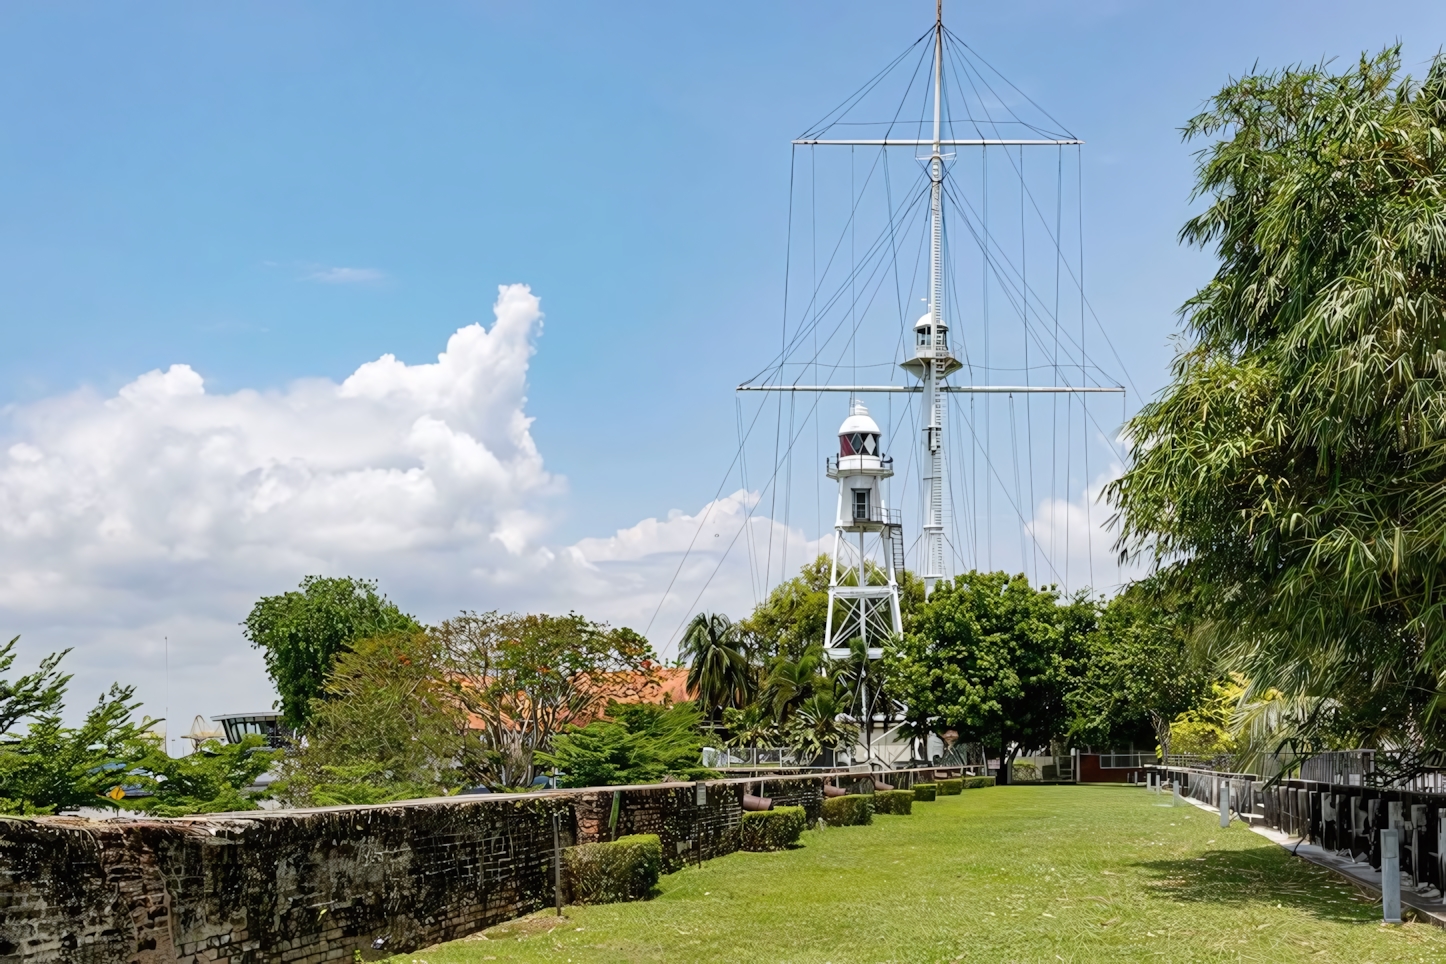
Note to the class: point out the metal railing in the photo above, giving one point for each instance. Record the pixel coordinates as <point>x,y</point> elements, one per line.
<point>1348,767</point>
<point>1205,786</point>
<point>781,757</point>
<point>1126,761</point>
<point>878,515</point>
<point>831,469</point>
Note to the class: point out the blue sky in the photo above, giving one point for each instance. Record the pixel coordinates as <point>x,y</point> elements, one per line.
<point>267,192</point>
<point>175,172</point>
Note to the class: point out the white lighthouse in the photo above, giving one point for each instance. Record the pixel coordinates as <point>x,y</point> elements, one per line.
<point>868,548</point>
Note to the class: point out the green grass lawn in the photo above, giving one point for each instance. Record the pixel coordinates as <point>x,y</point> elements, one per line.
<point>1002,874</point>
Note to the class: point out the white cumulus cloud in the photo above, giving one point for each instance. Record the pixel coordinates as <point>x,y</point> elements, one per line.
<point>164,510</point>
<point>138,528</point>
<point>1076,536</point>
<point>660,572</point>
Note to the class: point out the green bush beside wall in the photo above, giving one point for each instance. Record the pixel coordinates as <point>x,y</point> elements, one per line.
<point>850,811</point>
<point>771,829</point>
<point>950,788</point>
<point>606,873</point>
<point>897,802</point>
<point>974,783</point>
<point>925,792</point>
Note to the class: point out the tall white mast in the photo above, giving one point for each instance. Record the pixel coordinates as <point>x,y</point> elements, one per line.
<point>933,361</point>
<point>932,457</point>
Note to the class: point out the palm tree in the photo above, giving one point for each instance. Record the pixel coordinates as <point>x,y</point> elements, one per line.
<point>862,681</point>
<point>719,676</point>
<point>789,683</point>
<point>820,724</point>
<point>751,726</point>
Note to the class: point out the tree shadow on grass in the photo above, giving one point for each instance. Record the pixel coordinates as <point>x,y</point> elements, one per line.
<point>1266,876</point>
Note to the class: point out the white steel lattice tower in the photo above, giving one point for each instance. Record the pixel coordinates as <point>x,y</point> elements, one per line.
<point>868,547</point>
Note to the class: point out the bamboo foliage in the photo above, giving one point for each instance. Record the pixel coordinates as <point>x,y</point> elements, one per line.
<point>1290,478</point>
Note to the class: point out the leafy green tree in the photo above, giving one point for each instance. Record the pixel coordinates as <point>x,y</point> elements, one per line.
<point>992,657</point>
<point>390,725</point>
<point>719,674</point>
<point>354,784</point>
<point>636,743</point>
<point>523,678</point>
<point>212,779</point>
<point>34,694</point>
<point>1290,476</point>
<point>304,631</point>
<point>52,768</point>
<point>1205,730</point>
<point>1137,674</point>
<point>793,616</point>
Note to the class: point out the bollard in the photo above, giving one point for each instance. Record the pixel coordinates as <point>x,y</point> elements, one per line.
<point>1391,876</point>
<point>1175,788</point>
<point>1224,804</point>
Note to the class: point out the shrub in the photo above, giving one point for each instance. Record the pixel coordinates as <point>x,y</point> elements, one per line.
<point>638,743</point>
<point>925,792</point>
<point>771,829</point>
<point>950,788</point>
<point>605,873</point>
<point>1024,772</point>
<point>974,783</point>
<point>897,802</point>
<point>849,811</point>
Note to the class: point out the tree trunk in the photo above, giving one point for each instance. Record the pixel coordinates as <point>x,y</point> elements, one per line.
<point>1162,736</point>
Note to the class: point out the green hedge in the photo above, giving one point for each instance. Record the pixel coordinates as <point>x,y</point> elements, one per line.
<point>950,788</point>
<point>974,783</point>
<point>605,873</point>
<point>925,792</point>
<point>771,829</point>
<point>897,802</point>
<point>848,811</point>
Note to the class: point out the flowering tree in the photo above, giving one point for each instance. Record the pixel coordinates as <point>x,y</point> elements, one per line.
<point>522,678</point>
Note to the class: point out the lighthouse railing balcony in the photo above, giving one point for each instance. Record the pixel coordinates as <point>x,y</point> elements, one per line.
<point>831,469</point>
<point>876,515</point>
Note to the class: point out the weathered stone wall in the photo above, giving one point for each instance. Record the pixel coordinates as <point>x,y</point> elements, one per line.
<point>309,886</point>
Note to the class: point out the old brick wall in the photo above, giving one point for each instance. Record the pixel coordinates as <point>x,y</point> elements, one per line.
<point>310,886</point>
<point>303,886</point>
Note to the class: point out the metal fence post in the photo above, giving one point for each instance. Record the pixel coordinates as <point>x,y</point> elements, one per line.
<point>1391,876</point>
<point>1224,804</point>
<point>557,861</point>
